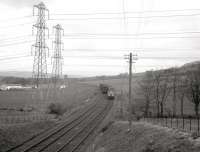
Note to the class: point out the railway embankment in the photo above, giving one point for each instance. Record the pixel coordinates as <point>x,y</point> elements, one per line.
<point>144,138</point>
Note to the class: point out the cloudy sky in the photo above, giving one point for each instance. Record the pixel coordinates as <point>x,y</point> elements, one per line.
<point>98,33</point>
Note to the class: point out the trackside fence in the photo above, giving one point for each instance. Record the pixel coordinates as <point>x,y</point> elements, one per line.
<point>184,124</point>
<point>24,119</point>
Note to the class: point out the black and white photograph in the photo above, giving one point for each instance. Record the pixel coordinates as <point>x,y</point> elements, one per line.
<point>99,76</point>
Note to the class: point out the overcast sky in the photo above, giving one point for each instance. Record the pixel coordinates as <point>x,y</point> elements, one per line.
<point>98,34</point>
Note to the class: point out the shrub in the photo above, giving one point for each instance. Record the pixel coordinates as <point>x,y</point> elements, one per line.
<point>56,108</point>
<point>149,147</point>
<point>107,126</point>
<point>194,135</point>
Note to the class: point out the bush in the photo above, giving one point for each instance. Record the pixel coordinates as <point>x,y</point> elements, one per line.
<point>194,135</point>
<point>56,108</point>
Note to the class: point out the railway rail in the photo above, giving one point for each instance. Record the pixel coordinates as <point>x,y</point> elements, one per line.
<point>70,135</point>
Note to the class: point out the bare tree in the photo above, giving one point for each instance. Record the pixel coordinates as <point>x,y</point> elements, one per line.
<point>181,92</point>
<point>161,91</point>
<point>146,85</point>
<point>193,90</point>
<point>174,90</point>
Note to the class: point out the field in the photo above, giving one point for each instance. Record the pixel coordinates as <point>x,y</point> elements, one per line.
<point>27,106</point>
<point>17,125</point>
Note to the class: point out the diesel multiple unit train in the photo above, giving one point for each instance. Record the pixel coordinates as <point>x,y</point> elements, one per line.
<point>108,90</point>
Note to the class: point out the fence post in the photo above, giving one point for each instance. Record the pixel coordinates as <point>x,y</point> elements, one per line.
<point>166,121</point>
<point>198,125</point>
<point>183,123</point>
<point>190,124</point>
<point>171,122</point>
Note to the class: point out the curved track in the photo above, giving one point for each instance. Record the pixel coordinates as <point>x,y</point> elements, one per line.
<point>70,135</point>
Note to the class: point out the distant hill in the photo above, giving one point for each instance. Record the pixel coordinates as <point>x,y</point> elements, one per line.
<point>191,64</point>
<point>28,74</point>
<point>24,74</point>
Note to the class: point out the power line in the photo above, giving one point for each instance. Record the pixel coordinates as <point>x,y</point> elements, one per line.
<point>16,37</point>
<point>129,17</point>
<point>16,25</point>
<point>94,35</point>
<point>111,13</point>
<point>16,18</point>
<point>143,50</point>
<point>109,57</point>
<point>112,38</point>
<point>122,34</point>
<point>14,57</point>
<point>17,43</point>
<point>120,58</point>
<point>105,13</point>
<point>110,34</point>
<point>126,50</point>
<point>126,12</point>
<point>105,65</point>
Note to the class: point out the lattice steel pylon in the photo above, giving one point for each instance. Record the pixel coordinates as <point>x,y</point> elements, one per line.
<point>57,56</point>
<point>40,48</point>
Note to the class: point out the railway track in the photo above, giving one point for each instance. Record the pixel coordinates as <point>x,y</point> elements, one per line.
<point>70,135</point>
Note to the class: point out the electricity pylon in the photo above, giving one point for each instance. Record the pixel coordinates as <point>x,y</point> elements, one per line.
<point>57,56</point>
<point>57,61</point>
<point>40,48</point>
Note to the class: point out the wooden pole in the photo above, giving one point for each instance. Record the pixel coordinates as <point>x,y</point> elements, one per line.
<point>130,91</point>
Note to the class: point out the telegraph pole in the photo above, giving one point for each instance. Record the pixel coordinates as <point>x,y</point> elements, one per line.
<point>40,48</point>
<point>130,90</point>
<point>130,58</point>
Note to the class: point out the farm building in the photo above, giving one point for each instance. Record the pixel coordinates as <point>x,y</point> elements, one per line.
<point>6,87</point>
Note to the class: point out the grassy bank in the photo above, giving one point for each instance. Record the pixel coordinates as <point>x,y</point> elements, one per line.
<point>144,138</point>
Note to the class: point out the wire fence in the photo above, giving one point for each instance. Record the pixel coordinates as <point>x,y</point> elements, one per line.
<point>24,119</point>
<point>185,124</point>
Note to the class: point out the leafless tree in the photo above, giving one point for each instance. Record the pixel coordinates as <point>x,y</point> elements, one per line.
<point>161,90</point>
<point>193,90</point>
<point>174,90</point>
<point>181,92</point>
<point>146,85</point>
